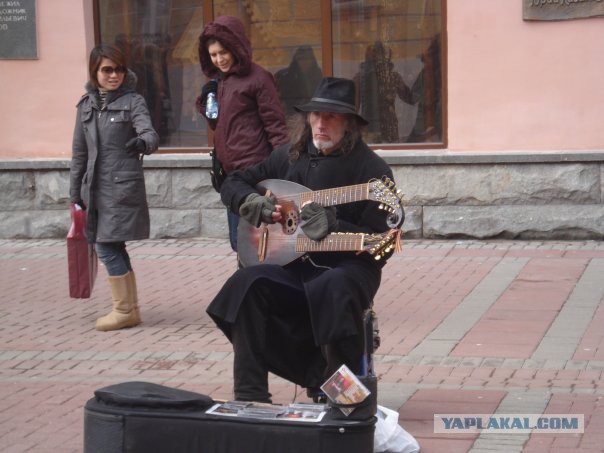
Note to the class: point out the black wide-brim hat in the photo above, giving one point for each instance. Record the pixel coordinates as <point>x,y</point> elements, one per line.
<point>333,95</point>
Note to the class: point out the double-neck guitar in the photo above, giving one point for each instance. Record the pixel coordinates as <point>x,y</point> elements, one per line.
<point>283,242</point>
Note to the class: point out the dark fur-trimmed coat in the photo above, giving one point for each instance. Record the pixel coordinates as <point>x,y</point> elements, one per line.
<point>108,179</point>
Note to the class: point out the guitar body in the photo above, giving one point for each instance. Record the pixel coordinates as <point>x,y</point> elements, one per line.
<point>279,238</point>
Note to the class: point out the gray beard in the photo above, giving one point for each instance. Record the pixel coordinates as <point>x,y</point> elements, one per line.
<point>321,146</point>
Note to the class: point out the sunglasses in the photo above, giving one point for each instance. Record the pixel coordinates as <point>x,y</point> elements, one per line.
<point>108,70</point>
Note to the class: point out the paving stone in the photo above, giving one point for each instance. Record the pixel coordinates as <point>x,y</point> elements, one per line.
<point>492,362</point>
<point>103,355</point>
<point>26,355</point>
<point>65,355</point>
<point>9,355</point>
<point>178,355</point>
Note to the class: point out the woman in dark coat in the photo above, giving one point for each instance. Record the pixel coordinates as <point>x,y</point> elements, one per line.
<point>250,122</point>
<point>113,130</point>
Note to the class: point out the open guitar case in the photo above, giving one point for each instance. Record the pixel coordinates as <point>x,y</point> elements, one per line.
<point>141,417</point>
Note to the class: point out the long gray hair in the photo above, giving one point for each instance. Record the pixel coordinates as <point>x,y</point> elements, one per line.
<point>301,134</point>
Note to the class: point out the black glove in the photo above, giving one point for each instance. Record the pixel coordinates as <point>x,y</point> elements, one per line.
<point>81,204</point>
<point>210,87</point>
<point>135,147</point>
<point>320,221</point>
<point>256,209</point>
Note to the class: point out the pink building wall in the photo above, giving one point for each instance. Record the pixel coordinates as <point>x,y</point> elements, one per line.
<point>38,97</point>
<point>515,85</point>
<point>512,85</point>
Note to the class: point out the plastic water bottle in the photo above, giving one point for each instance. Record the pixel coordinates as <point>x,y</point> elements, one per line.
<point>211,106</point>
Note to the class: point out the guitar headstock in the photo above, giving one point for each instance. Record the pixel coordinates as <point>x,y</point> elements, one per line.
<point>384,191</point>
<point>379,245</point>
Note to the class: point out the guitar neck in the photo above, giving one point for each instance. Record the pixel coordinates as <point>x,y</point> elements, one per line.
<point>338,195</point>
<point>336,242</point>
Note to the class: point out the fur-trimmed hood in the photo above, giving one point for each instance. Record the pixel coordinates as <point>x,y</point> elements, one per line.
<point>231,34</point>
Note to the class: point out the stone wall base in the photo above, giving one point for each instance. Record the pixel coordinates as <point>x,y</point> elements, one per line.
<point>550,195</point>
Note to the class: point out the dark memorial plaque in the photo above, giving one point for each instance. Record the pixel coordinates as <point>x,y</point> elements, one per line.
<point>561,9</point>
<point>18,30</point>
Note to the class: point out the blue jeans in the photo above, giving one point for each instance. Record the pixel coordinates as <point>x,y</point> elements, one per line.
<point>114,256</point>
<point>233,220</point>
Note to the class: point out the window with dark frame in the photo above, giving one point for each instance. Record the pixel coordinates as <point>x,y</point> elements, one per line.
<point>392,49</point>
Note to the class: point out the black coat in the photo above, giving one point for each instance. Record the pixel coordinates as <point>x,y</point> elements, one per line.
<point>310,305</point>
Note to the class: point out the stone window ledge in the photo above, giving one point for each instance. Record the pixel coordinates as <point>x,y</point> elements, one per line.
<point>406,157</point>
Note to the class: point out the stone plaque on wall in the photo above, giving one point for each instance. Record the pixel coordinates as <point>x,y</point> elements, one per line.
<point>561,9</point>
<point>18,39</point>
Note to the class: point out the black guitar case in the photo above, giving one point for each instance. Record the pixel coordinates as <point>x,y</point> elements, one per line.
<point>141,417</point>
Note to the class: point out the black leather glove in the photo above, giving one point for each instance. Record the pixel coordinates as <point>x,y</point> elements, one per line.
<point>210,87</point>
<point>256,209</point>
<point>136,146</point>
<point>81,204</point>
<point>319,221</point>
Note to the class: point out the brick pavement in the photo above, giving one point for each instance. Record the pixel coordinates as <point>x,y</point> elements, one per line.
<point>466,327</point>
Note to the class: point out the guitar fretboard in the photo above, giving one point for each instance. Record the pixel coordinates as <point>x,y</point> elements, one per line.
<point>338,195</point>
<point>349,242</point>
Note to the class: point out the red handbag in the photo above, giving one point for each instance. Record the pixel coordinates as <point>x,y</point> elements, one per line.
<point>81,256</point>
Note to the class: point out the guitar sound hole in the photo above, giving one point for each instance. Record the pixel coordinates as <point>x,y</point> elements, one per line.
<point>291,223</point>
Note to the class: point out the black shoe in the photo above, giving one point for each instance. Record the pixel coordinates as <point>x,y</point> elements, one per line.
<point>316,394</point>
<point>254,400</point>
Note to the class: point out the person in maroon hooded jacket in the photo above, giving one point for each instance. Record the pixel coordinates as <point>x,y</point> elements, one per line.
<point>251,121</point>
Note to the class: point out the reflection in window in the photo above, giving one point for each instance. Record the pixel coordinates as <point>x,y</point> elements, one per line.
<point>392,51</point>
<point>159,39</point>
<point>298,81</point>
<point>391,48</point>
<point>286,40</point>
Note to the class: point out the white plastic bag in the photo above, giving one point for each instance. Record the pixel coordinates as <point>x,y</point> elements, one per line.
<point>389,437</point>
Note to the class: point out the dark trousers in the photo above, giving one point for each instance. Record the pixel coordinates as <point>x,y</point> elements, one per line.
<point>250,370</point>
<point>233,222</point>
<point>114,256</point>
<point>251,365</point>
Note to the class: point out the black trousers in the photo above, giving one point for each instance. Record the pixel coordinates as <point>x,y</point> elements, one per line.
<point>252,360</point>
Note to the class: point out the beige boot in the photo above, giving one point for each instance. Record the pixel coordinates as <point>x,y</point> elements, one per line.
<point>134,291</point>
<point>123,313</point>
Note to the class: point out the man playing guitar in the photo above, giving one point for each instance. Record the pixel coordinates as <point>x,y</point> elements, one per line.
<point>302,320</point>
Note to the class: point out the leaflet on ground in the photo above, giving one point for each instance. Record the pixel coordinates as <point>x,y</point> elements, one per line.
<point>343,387</point>
<point>298,412</point>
